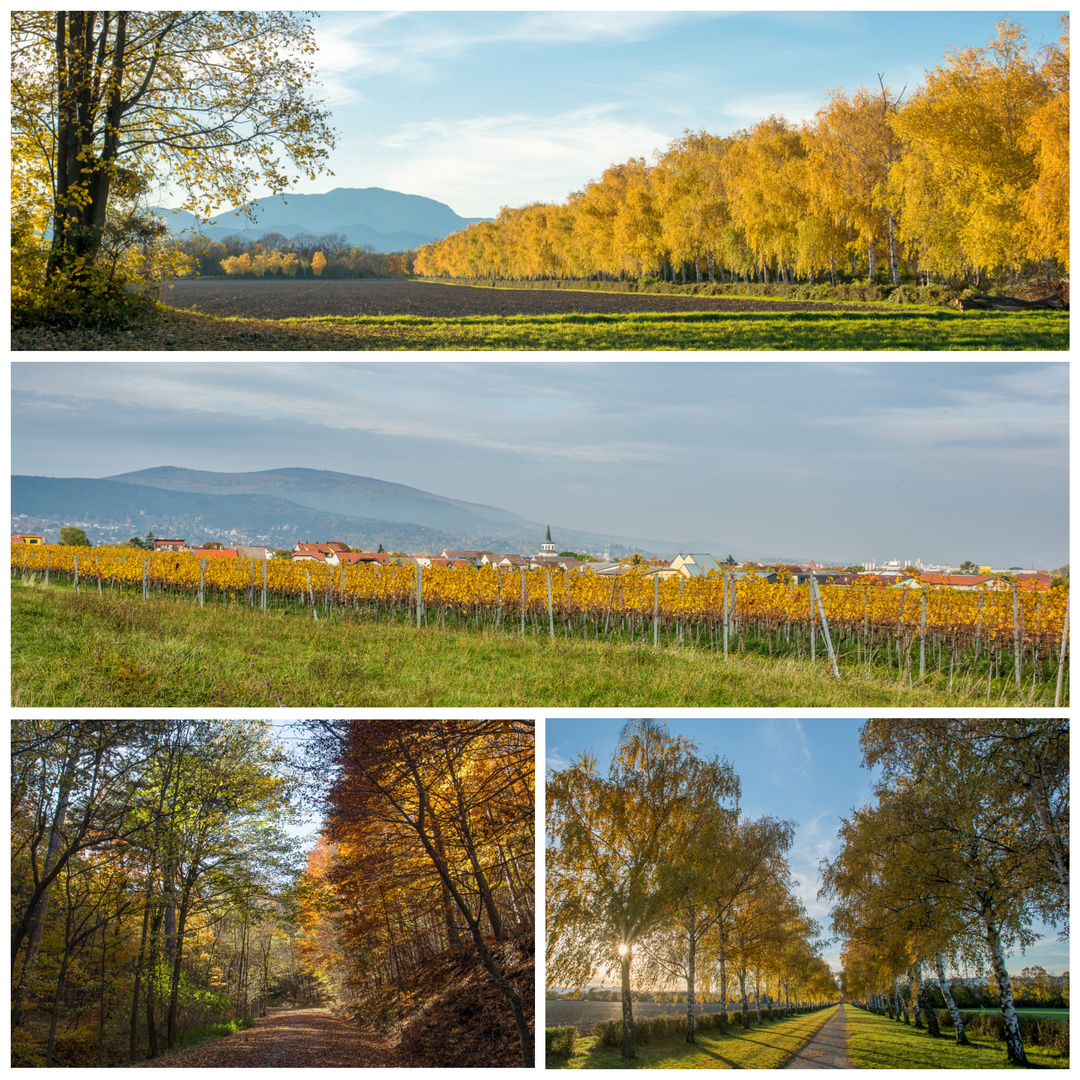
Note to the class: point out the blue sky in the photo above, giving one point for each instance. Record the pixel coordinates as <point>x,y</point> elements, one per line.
<point>481,109</point>
<point>804,770</point>
<point>834,461</point>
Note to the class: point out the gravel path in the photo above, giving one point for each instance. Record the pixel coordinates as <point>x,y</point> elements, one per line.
<point>282,299</point>
<point>289,1039</point>
<point>827,1049</point>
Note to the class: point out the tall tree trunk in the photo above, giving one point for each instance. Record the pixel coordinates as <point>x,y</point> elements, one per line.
<point>1013,1042</point>
<point>916,993</point>
<point>627,1008</point>
<point>723,982</point>
<point>894,263</point>
<point>41,908</point>
<point>745,1001</point>
<point>691,946</point>
<point>954,1012</point>
<point>901,1004</point>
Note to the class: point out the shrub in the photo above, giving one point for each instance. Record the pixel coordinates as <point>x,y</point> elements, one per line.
<point>560,1040</point>
<point>934,294</point>
<point>97,299</point>
<point>905,294</point>
<point>647,1030</point>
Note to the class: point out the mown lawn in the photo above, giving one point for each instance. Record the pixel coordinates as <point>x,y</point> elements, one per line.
<point>769,1046</point>
<point>876,1042</point>
<point>97,650</point>
<point>926,330</point>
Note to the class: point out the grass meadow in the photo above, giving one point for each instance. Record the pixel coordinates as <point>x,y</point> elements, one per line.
<point>103,650</point>
<point>876,1042</point>
<point>928,330</point>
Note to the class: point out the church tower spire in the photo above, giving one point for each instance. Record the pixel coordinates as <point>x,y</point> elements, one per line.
<point>547,548</point>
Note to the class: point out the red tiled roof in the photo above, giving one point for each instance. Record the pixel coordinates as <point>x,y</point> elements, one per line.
<point>216,553</point>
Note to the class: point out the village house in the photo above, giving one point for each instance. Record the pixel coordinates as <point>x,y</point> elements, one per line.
<point>247,551</point>
<point>169,545</point>
<point>216,553</point>
<point>25,538</point>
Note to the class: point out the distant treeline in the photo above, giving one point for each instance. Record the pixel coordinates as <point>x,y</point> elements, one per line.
<point>304,255</point>
<point>961,179</point>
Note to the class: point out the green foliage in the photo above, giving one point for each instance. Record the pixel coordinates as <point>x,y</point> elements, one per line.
<point>72,536</point>
<point>217,1030</point>
<point>560,1040</point>
<point>89,296</point>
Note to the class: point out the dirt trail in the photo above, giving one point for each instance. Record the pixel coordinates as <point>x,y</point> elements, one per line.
<point>827,1049</point>
<point>290,1039</point>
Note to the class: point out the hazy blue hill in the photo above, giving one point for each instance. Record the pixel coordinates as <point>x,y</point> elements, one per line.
<point>339,493</point>
<point>281,506</point>
<point>388,220</point>
<point>195,516</point>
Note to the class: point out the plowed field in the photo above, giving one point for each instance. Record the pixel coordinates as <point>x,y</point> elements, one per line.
<point>285,299</point>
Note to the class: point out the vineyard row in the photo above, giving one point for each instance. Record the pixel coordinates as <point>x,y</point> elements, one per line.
<point>1015,634</point>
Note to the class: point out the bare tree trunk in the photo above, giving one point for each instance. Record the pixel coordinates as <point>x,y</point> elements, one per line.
<point>691,960</point>
<point>916,993</point>
<point>901,1004</point>
<point>954,1012</point>
<point>37,924</point>
<point>1013,1042</point>
<point>627,1008</point>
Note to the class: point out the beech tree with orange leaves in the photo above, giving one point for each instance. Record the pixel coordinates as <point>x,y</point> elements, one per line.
<point>428,856</point>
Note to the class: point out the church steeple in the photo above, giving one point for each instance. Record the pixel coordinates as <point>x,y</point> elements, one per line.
<point>547,548</point>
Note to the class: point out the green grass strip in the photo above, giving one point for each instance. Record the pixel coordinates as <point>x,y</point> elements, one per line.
<point>923,330</point>
<point>105,650</point>
<point>769,1046</point>
<point>876,1042</point>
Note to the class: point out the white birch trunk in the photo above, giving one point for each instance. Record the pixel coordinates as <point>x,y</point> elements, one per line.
<point>954,1012</point>
<point>1013,1042</point>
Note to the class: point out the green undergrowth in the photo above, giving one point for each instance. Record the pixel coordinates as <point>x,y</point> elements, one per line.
<point>876,1042</point>
<point>921,329</point>
<point>104,650</point>
<point>768,1046</point>
<point>214,1031</point>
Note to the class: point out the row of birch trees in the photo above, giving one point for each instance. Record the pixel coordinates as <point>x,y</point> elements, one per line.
<point>653,873</point>
<point>965,175</point>
<point>963,851</point>
<point>147,899</point>
<point>426,858</point>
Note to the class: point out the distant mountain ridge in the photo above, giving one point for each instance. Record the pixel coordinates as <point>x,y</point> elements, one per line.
<point>387,220</point>
<point>281,506</point>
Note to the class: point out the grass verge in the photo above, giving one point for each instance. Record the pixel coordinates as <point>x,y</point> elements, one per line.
<point>924,330</point>
<point>766,1047</point>
<point>876,1042</point>
<point>94,650</point>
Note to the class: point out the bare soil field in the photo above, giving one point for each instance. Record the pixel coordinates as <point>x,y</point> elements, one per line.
<point>286,299</point>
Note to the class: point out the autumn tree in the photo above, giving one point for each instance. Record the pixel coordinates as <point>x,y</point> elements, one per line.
<point>433,825</point>
<point>966,161</point>
<point>984,848</point>
<point>612,841</point>
<point>1045,204</point>
<point>215,101</point>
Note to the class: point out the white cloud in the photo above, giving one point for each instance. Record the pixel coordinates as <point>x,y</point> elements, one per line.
<point>470,161</point>
<point>747,111</point>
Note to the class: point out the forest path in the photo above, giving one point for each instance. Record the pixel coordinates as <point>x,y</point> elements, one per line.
<point>827,1049</point>
<point>290,1039</point>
